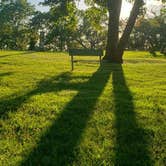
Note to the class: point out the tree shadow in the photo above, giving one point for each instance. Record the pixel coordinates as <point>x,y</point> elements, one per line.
<point>13,102</point>
<point>131,147</point>
<point>58,146</point>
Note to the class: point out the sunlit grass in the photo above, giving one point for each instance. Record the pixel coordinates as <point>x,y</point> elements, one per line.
<point>113,115</point>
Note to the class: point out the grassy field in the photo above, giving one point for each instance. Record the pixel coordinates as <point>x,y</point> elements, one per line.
<point>93,116</point>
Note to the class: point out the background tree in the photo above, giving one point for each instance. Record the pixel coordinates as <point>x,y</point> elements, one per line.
<point>63,23</point>
<point>14,29</point>
<point>162,18</point>
<point>92,28</point>
<point>38,23</point>
<point>149,33</point>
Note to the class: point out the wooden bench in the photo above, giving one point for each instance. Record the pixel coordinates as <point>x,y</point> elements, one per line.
<point>84,52</point>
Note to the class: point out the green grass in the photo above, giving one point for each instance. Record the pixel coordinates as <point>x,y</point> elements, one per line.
<point>93,116</point>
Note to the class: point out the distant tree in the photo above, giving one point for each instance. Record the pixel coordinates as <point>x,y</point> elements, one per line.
<point>92,28</point>
<point>39,23</point>
<point>14,30</point>
<point>149,33</point>
<point>63,25</point>
<point>71,27</point>
<point>163,30</point>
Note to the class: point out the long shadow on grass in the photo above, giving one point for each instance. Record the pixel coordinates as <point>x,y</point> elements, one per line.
<point>131,147</point>
<point>14,102</point>
<point>58,146</point>
<point>54,84</point>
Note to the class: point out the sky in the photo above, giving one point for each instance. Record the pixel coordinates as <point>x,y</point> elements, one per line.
<point>39,7</point>
<point>126,7</point>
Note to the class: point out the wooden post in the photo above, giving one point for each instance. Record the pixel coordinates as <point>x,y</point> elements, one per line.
<point>72,63</point>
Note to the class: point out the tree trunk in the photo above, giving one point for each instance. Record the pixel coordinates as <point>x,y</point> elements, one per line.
<point>114,8</point>
<point>115,48</point>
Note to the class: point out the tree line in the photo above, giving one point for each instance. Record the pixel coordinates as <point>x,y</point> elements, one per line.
<point>65,26</point>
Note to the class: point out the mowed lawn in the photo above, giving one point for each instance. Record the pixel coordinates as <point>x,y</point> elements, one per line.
<point>93,116</point>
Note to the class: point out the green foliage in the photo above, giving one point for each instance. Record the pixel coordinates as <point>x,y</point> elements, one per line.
<point>60,4</point>
<point>149,33</point>
<point>14,29</point>
<point>61,26</point>
<point>39,23</point>
<point>92,28</point>
<point>74,28</point>
<point>113,115</point>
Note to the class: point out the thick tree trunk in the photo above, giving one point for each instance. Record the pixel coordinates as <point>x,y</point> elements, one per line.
<point>130,24</point>
<point>115,48</point>
<point>114,8</point>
